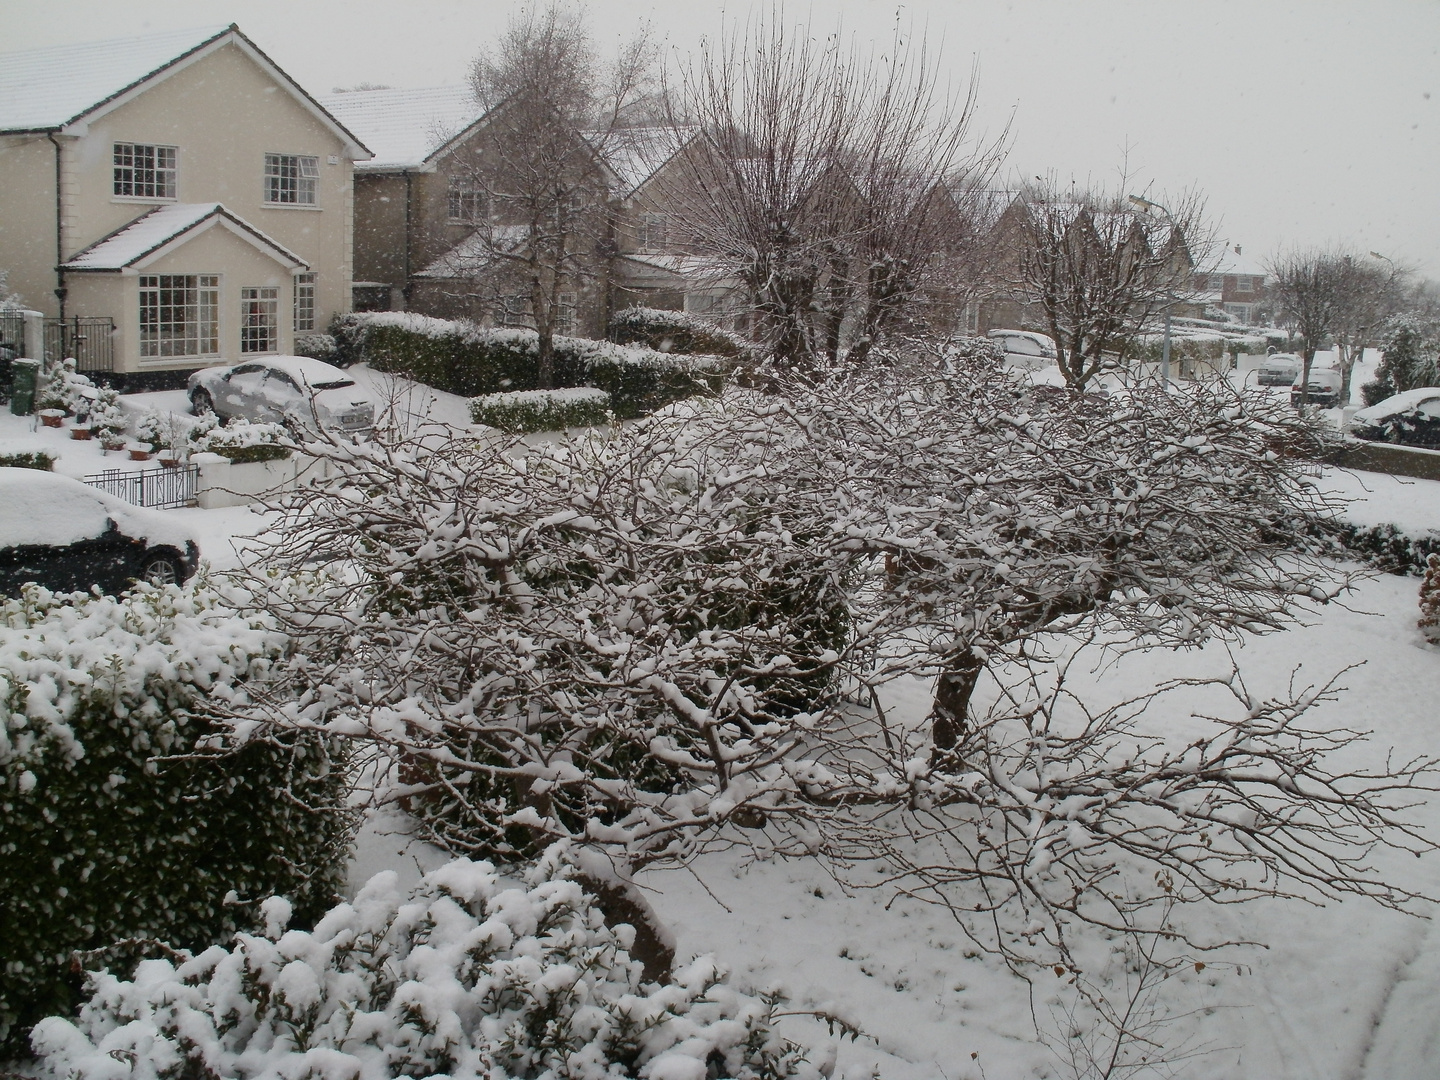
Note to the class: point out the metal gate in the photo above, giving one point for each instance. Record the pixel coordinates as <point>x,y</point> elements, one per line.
<point>163,488</point>
<point>12,344</point>
<point>90,339</point>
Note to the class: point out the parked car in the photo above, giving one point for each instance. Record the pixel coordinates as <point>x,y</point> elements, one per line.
<point>1279,369</point>
<point>305,394</point>
<point>1025,350</point>
<point>1411,418</point>
<point>1322,389</point>
<point>64,535</point>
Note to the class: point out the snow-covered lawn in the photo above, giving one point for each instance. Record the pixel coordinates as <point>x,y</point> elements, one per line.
<point>1347,991</point>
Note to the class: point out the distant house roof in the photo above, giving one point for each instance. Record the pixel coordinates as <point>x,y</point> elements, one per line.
<point>405,129</point>
<point>1230,262</point>
<point>160,230</point>
<point>636,154</point>
<point>65,86</point>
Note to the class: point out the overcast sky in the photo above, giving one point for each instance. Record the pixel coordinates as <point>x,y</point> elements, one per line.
<point>1303,123</point>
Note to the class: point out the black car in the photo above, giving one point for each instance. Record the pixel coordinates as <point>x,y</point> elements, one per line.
<point>1412,418</point>
<point>66,536</point>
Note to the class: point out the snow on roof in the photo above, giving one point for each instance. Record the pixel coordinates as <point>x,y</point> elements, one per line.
<point>477,252</point>
<point>43,89</point>
<point>636,154</point>
<point>404,128</point>
<point>156,228</point>
<point>1231,262</point>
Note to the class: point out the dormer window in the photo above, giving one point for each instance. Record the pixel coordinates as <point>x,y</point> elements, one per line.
<point>291,179</point>
<point>143,171</point>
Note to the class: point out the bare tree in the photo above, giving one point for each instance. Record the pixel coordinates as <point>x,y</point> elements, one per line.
<point>538,184</point>
<point>834,185</point>
<point>1101,266</point>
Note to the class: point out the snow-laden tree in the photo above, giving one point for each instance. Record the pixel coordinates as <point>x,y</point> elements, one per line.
<point>645,641</point>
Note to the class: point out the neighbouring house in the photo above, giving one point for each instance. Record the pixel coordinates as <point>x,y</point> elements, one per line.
<point>172,201</point>
<point>1235,286</point>
<point>441,229</point>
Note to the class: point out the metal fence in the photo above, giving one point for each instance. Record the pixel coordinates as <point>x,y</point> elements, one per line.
<point>164,488</point>
<point>89,339</point>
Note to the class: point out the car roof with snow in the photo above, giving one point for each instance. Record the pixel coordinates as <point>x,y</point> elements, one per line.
<point>47,508</point>
<point>310,371</point>
<point>1401,402</point>
<point>1041,340</point>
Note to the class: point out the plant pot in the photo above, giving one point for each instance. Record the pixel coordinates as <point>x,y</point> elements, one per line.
<point>81,433</point>
<point>168,459</point>
<point>52,417</point>
<point>138,453</point>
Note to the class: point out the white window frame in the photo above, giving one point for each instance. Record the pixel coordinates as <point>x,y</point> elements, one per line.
<point>304,303</point>
<point>652,231</point>
<point>565,310</point>
<point>1245,283</point>
<point>467,201</point>
<point>259,320</point>
<point>291,179</point>
<point>151,171</point>
<point>179,315</point>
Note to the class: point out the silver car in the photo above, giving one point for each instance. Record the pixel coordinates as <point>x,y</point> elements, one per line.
<point>297,391</point>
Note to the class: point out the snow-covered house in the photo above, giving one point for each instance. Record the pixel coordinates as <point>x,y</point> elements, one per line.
<point>177,199</point>
<point>1236,285</point>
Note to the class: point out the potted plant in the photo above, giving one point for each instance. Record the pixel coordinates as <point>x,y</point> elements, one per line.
<point>81,431</point>
<point>169,458</point>
<point>139,451</point>
<point>52,417</point>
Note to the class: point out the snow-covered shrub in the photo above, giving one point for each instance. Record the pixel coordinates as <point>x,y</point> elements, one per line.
<point>1410,359</point>
<point>318,346</point>
<point>468,976</point>
<point>674,331</point>
<point>65,388</point>
<point>1430,600</point>
<point>108,418</point>
<point>113,829</point>
<point>466,359</point>
<point>156,429</point>
<point>542,410</point>
<point>241,440</point>
<point>29,459</point>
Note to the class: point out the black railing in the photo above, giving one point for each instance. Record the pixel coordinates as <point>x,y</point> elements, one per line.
<point>164,488</point>
<point>90,339</point>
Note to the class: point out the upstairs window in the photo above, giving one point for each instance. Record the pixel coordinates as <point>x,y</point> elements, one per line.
<point>179,315</point>
<point>651,232</point>
<point>468,201</point>
<point>259,320</point>
<point>304,303</point>
<point>1217,283</point>
<point>291,179</point>
<point>1244,283</point>
<point>143,171</point>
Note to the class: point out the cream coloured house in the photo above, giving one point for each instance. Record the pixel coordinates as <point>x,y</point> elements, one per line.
<point>180,186</point>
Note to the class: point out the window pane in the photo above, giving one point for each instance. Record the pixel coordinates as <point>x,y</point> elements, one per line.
<point>144,171</point>
<point>259,320</point>
<point>304,303</point>
<point>291,178</point>
<point>179,315</point>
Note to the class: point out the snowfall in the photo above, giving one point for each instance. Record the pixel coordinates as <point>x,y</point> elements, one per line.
<point>1345,991</point>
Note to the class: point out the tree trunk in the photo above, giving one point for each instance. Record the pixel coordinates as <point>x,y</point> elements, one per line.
<point>950,712</point>
<point>653,946</point>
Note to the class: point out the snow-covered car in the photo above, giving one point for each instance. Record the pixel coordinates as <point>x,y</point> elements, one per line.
<point>66,536</point>
<point>1024,349</point>
<point>1412,418</point>
<point>1322,389</point>
<point>305,394</point>
<point>1279,369</point>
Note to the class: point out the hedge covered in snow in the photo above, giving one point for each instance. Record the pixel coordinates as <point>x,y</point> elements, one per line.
<point>542,410</point>
<point>465,977</point>
<point>674,332</point>
<point>463,358</point>
<point>108,833</point>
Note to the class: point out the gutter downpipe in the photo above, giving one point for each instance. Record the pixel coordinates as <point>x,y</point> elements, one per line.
<point>60,289</point>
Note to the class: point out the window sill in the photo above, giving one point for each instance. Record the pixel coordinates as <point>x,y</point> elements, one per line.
<point>199,359</point>
<point>290,206</point>
<point>143,199</point>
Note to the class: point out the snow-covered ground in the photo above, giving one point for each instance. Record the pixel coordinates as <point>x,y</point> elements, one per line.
<point>1343,992</point>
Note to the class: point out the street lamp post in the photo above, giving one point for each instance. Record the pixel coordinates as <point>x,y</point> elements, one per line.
<point>1147,206</point>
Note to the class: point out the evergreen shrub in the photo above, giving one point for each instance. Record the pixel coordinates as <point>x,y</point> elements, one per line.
<point>468,976</point>
<point>542,410</point>
<point>29,459</point>
<point>115,832</point>
<point>674,331</point>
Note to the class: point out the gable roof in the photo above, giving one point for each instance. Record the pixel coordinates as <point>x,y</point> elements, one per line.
<point>157,231</point>
<point>636,154</point>
<point>64,87</point>
<point>406,129</point>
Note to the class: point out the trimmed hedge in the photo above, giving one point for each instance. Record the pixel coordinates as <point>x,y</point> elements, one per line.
<point>542,410</point>
<point>469,360</point>
<point>674,332</point>
<point>42,460</point>
<point>115,835</point>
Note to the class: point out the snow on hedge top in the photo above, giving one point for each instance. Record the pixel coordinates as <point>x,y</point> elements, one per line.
<point>45,88</point>
<point>45,508</point>
<point>545,397</point>
<point>468,977</point>
<point>403,127</point>
<point>56,655</point>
